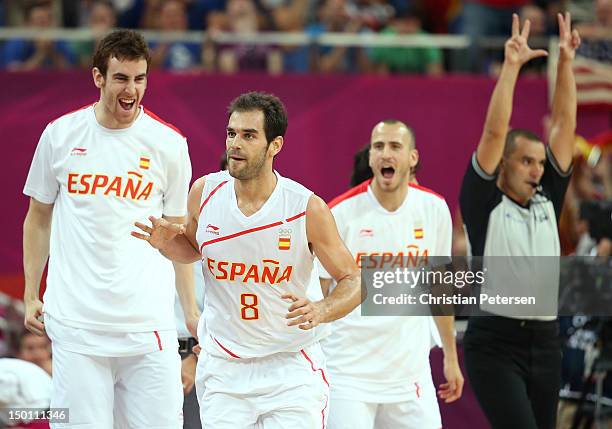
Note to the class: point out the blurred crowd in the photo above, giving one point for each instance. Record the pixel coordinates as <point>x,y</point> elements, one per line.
<point>477,19</point>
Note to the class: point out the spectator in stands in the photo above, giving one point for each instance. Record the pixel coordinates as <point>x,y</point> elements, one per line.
<point>241,18</point>
<point>22,54</point>
<point>425,60</point>
<point>601,26</point>
<point>102,18</point>
<point>537,16</point>
<point>377,14</point>
<point>335,16</point>
<point>35,349</point>
<point>539,28</point>
<point>199,10</point>
<point>285,15</point>
<point>178,56</point>
<point>486,18</point>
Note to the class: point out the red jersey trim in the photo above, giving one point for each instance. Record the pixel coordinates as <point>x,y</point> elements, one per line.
<point>353,192</point>
<point>248,231</point>
<point>159,344</point>
<point>424,189</point>
<point>238,234</point>
<point>73,111</point>
<point>211,194</point>
<point>161,121</point>
<point>297,216</point>
<point>225,349</point>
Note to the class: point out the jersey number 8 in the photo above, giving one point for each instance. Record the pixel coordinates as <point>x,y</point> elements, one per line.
<point>249,309</point>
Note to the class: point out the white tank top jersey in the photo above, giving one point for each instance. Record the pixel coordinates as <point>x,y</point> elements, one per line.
<point>249,263</point>
<point>101,181</point>
<point>420,226</point>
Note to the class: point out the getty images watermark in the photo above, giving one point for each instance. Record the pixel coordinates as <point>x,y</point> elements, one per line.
<point>509,286</point>
<point>423,277</point>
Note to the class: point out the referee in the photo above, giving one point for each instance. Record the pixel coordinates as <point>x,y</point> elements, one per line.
<point>511,199</point>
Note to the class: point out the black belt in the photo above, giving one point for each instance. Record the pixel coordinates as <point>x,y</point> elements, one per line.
<point>186,345</point>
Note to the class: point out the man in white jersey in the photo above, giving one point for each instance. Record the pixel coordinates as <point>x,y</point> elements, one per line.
<point>256,232</point>
<point>382,218</point>
<point>108,306</point>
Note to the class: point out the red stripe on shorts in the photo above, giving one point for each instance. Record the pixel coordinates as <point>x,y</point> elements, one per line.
<point>159,344</point>
<point>313,368</point>
<point>418,391</point>
<point>323,413</point>
<point>324,379</point>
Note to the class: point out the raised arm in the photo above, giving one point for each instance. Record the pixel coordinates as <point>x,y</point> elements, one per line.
<point>563,117</point>
<point>36,238</point>
<point>516,53</point>
<point>337,260</point>
<point>176,241</point>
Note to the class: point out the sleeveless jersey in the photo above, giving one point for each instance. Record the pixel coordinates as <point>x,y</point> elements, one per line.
<point>249,262</point>
<point>421,227</point>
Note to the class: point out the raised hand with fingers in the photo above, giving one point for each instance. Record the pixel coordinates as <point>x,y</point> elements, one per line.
<point>516,49</point>
<point>160,233</point>
<point>569,40</point>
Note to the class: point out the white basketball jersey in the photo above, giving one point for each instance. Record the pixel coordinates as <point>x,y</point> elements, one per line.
<point>101,181</point>
<point>249,263</point>
<point>420,227</point>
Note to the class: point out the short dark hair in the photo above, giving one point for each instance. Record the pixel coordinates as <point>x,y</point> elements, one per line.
<point>403,124</point>
<point>361,166</point>
<point>275,115</point>
<point>510,144</point>
<point>123,45</point>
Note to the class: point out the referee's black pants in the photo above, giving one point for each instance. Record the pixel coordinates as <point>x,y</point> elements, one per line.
<point>514,368</point>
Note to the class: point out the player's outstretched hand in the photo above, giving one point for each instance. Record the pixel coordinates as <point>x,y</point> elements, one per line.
<point>160,233</point>
<point>33,313</point>
<point>303,312</point>
<point>516,49</point>
<point>453,388</point>
<point>569,40</point>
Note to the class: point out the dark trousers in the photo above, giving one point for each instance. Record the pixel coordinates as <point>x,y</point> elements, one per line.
<point>514,368</point>
<point>191,411</point>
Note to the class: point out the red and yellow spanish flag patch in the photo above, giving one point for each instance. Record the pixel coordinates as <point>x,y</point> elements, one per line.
<point>418,233</point>
<point>284,243</point>
<point>145,162</point>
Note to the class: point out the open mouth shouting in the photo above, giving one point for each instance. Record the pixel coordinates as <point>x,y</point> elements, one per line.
<point>127,104</point>
<point>387,172</point>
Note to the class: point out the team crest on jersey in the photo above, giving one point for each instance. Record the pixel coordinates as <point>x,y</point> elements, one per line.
<point>145,162</point>
<point>78,151</point>
<point>212,229</point>
<point>418,231</point>
<point>284,239</point>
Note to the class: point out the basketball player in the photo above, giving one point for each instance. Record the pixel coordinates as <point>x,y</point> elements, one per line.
<point>390,215</point>
<point>108,303</point>
<point>255,231</point>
